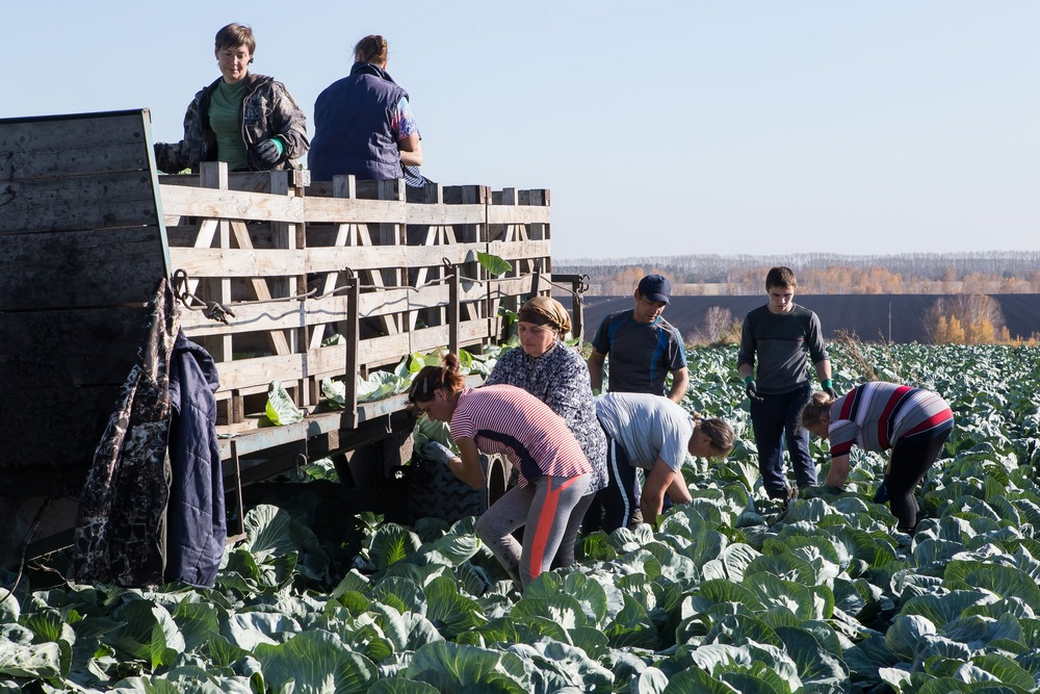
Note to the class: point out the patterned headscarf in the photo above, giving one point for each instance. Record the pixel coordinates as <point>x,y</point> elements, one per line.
<point>545,310</point>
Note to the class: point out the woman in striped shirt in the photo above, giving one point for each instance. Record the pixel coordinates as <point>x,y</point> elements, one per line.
<point>554,472</point>
<point>877,416</point>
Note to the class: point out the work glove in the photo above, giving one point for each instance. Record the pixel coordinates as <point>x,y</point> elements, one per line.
<point>269,152</point>
<point>882,495</point>
<point>437,452</point>
<point>751,389</point>
<point>828,388</point>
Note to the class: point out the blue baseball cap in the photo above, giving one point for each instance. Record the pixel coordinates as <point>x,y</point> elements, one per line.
<point>655,288</point>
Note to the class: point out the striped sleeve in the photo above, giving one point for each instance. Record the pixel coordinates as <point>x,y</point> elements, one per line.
<point>842,435</point>
<point>462,425</point>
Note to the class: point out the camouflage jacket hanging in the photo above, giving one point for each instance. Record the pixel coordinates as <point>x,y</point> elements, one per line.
<point>120,533</point>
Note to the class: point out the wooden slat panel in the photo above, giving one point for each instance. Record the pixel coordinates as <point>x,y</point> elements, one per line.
<point>78,268</point>
<point>243,374</point>
<point>284,315</point>
<point>100,200</point>
<point>511,250</point>
<point>517,214</point>
<point>236,262</point>
<point>230,204</point>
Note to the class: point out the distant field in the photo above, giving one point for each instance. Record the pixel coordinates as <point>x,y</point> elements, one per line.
<point>867,315</point>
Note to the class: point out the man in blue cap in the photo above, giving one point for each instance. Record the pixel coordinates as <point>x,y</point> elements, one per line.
<point>640,346</point>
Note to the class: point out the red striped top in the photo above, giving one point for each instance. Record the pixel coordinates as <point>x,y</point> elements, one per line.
<point>509,420</point>
<point>876,415</point>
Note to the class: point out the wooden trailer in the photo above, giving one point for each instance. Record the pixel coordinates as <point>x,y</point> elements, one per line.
<point>88,229</point>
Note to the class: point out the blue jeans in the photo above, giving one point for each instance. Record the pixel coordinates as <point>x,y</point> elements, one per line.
<point>775,418</point>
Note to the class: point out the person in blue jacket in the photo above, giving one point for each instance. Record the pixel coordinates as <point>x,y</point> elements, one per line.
<point>363,124</point>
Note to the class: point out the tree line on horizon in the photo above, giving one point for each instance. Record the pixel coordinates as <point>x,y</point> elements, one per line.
<point>740,275</point>
<point>716,268</point>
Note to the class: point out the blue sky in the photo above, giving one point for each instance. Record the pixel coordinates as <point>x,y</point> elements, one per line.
<point>857,126</point>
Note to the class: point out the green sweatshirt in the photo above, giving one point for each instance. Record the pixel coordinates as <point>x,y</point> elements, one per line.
<point>225,118</point>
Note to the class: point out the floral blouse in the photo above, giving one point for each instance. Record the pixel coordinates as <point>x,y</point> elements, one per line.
<point>560,379</point>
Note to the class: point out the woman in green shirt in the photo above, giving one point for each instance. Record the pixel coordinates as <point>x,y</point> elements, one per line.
<point>249,121</point>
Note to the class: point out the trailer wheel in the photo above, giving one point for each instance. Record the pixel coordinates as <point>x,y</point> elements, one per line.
<point>433,491</point>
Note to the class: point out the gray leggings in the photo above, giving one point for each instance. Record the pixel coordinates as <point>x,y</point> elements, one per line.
<point>544,508</point>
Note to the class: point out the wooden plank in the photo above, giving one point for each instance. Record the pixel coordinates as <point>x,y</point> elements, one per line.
<point>454,291</point>
<point>79,268</point>
<point>511,250</point>
<point>513,286</point>
<point>249,181</point>
<point>76,130</point>
<point>237,262</point>
<point>329,258</point>
<point>57,204</point>
<point>351,351</point>
<point>353,211</point>
<point>442,215</point>
<point>517,214</point>
<point>360,211</point>
<point>72,161</point>
<point>230,204</point>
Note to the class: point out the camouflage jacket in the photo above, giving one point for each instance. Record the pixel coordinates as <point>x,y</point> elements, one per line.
<point>120,534</point>
<point>267,110</point>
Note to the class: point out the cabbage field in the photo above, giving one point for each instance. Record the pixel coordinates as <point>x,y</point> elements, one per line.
<point>732,593</point>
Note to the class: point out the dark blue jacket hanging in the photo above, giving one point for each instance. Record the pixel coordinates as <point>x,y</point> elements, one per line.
<point>196,524</point>
<point>352,133</point>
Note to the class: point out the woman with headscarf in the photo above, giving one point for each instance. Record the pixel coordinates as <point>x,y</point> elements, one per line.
<point>556,374</point>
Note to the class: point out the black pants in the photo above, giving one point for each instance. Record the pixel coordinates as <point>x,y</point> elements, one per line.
<point>911,458</point>
<point>775,419</point>
<point>614,505</point>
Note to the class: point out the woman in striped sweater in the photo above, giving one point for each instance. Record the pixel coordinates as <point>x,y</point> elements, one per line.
<point>554,472</point>
<point>877,416</point>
